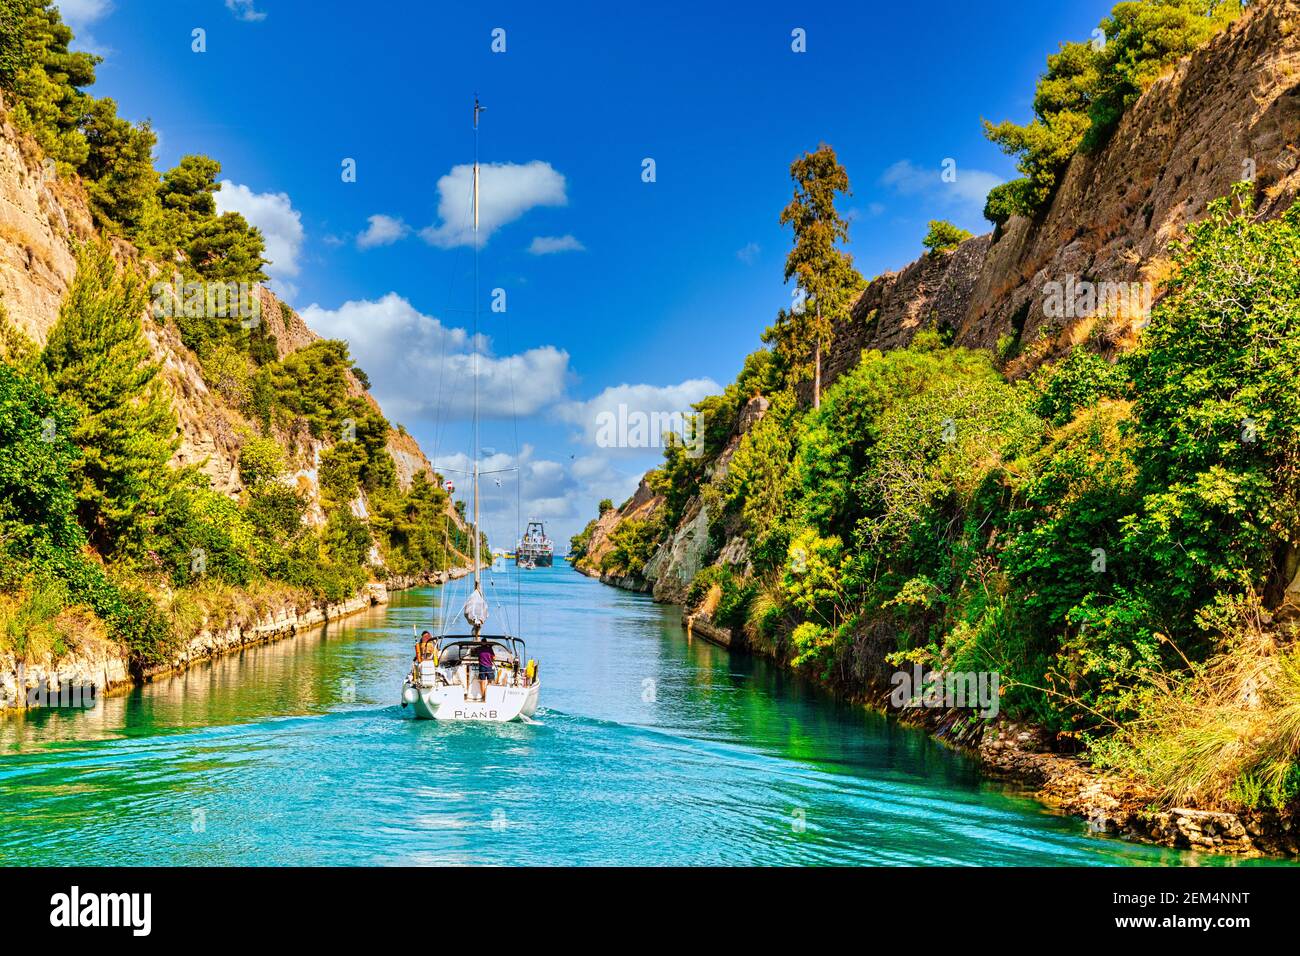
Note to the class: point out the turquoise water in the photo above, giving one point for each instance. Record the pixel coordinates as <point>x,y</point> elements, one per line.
<point>649,749</point>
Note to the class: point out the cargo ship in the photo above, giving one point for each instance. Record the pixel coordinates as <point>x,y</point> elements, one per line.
<point>535,548</point>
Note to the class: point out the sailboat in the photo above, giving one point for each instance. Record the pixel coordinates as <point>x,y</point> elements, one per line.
<point>473,676</point>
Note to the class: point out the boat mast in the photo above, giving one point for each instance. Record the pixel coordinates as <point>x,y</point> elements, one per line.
<point>477,536</point>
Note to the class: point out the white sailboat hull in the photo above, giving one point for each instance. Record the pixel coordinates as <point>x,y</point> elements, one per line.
<point>502,704</point>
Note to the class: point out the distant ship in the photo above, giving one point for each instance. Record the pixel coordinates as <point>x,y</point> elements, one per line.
<point>535,548</point>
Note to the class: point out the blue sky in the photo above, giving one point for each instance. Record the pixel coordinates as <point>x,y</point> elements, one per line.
<point>617,290</point>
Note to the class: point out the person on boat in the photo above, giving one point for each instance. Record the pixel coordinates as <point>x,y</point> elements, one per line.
<point>486,669</point>
<point>426,639</point>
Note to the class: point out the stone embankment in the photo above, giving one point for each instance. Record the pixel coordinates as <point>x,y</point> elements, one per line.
<point>80,677</point>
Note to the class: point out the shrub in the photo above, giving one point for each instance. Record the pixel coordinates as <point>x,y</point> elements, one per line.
<point>99,361</point>
<point>1087,88</point>
<point>634,542</point>
<point>944,237</point>
<point>1078,381</point>
<point>734,595</point>
<point>1216,418</point>
<point>261,459</point>
<point>36,454</point>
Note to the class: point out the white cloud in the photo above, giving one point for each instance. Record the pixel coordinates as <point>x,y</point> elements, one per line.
<point>79,14</point>
<point>564,495</point>
<point>547,245</point>
<point>506,192</point>
<point>748,253</point>
<point>650,404</point>
<point>966,193</point>
<point>245,10</point>
<point>423,370</point>
<point>382,231</point>
<point>281,227</point>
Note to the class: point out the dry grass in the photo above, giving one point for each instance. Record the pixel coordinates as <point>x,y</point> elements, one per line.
<point>37,624</point>
<point>764,608</point>
<point>1224,734</point>
<point>214,606</point>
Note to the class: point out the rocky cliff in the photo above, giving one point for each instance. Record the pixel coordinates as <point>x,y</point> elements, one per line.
<point>1229,111</point>
<point>42,217</point>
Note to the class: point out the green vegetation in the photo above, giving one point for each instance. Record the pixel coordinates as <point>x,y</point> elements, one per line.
<point>46,83</point>
<point>580,543</point>
<point>1120,541</point>
<point>823,271</point>
<point>101,536</point>
<point>97,360</point>
<point>634,542</point>
<point>944,237</point>
<point>1087,88</point>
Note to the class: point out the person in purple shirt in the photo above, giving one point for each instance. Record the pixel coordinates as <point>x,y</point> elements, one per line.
<point>486,669</point>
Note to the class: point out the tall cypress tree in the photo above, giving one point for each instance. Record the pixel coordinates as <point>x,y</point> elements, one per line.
<point>99,361</point>
<point>822,270</point>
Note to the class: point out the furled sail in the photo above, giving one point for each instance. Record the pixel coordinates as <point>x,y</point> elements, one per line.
<point>476,609</point>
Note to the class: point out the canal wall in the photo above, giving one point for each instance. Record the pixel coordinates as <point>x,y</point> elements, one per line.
<point>1021,754</point>
<point>103,668</point>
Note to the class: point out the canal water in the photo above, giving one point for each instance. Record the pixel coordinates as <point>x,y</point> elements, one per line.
<point>649,748</point>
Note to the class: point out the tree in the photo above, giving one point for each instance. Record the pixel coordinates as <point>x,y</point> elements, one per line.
<point>13,56</point>
<point>190,188</point>
<point>1143,39</point>
<point>1045,146</point>
<point>414,527</point>
<point>944,237</point>
<point>120,179</point>
<point>822,270</point>
<point>99,361</point>
<point>35,457</point>
<point>227,249</point>
<point>1087,88</point>
<point>606,505</point>
<point>1217,414</point>
<point>48,79</point>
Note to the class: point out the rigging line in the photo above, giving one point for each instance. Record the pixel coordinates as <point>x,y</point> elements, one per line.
<point>519,577</point>
<point>478,535</point>
<point>492,587</point>
<point>519,514</point>
<point>439,421</point>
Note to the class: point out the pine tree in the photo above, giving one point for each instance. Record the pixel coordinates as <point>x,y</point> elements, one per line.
<point>99,361</point>
<point>822,270</point>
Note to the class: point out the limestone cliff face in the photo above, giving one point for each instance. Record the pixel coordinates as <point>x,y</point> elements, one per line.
<point>1228,111</point>
<point>39,215</point>
<point>686,550</point>
<point>644,504</point>
<point>41,219</point>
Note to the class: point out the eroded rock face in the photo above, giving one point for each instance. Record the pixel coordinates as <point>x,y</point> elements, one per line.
<point>643,504</point>
<point>41,219</point>
<point>1229,110</point>
<point>681,557</point>
<point>36,261</point>
<point>934,292</point>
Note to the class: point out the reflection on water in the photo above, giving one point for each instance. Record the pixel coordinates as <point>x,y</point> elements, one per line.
<point>650,749</point>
